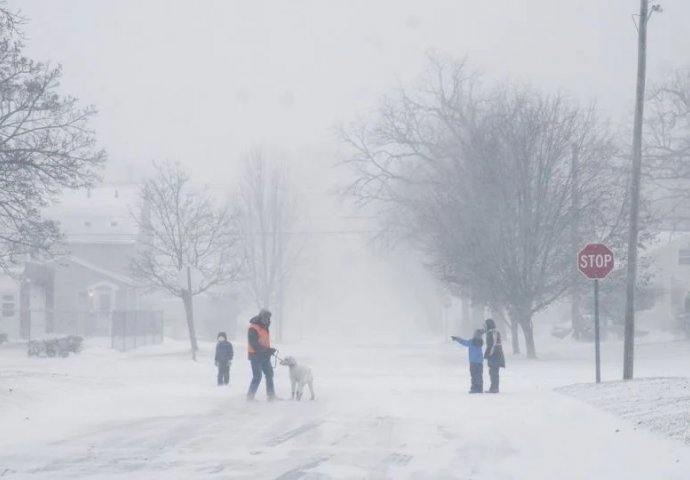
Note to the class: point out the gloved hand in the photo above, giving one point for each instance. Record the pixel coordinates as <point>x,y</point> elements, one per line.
<point>454,338</point>
<point>272,351</point>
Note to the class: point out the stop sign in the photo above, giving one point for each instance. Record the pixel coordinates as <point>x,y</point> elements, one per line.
<point>595,261</point>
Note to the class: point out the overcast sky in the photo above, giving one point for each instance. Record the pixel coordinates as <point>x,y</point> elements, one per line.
<point>203,81</point>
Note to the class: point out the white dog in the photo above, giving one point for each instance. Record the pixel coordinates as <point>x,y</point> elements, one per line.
<point>300,375</point>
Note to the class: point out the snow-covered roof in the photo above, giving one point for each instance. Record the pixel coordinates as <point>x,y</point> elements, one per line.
<point>102,214</point>
<point>124,279</point>
<point>665,239</point>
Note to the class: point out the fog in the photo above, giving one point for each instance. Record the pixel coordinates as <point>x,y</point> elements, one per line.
<point>388,178</point>
<point>204,83</point>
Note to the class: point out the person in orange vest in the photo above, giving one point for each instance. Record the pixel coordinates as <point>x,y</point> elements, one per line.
<point>260,352</point>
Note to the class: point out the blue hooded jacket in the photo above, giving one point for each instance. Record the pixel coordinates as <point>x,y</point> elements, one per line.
<point>474,348</point>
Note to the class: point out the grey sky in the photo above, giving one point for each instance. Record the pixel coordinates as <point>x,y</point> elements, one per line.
<point>203,81</point>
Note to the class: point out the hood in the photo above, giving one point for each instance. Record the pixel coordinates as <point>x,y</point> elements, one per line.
<point>258,321</point>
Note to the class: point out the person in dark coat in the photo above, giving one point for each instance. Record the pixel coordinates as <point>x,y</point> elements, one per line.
<point>474,350</point>
<point>224,354</point>
<point>493,354</point>
<point>259,352</point>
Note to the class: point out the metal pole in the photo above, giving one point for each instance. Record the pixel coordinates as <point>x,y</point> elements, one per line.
<point>597,348</point>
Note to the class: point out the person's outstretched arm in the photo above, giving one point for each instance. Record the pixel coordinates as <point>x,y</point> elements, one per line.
<point>461,341</point>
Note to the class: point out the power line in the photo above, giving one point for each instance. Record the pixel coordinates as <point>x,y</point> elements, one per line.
<point>301,232</point>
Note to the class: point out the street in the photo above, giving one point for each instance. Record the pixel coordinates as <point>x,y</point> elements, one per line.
<point>382,411</point>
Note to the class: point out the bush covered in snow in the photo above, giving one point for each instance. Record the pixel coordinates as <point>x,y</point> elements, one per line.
<point>55,346</point>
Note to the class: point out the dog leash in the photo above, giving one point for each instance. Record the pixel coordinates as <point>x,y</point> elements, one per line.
<point>276,359</point>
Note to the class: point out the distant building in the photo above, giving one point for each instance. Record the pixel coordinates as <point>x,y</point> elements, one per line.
<point>91,280</point>
<point>77,292</point>
<point>10,307</point>
<point>669,258</point>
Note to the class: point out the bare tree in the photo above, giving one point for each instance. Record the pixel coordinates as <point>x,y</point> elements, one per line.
<point>266,224</point>
<point>483,182</point>
<point>181,227</point>
<point>667,149</point>
<point>45,146</point>
<point>667,143</point>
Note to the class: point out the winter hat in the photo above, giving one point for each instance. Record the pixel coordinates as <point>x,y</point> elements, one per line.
<point>222,334</point>
<point>490,324</point>
<point>265,317</point>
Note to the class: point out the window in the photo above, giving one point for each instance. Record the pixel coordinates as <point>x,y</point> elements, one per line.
<point>83,298</point>
<point>8,306</point>
<point>684,256</point>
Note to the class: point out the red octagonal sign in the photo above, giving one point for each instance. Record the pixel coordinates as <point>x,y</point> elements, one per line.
<point>595,261</point>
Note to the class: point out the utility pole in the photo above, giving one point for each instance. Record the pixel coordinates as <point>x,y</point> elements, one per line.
<point>629,342</point>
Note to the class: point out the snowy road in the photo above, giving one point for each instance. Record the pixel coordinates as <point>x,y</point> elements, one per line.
<point>381,412</point>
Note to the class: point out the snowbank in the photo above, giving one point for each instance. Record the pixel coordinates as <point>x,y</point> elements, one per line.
<point>660,405</point>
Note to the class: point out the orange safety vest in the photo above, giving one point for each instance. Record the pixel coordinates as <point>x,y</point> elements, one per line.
<point>264,338</point>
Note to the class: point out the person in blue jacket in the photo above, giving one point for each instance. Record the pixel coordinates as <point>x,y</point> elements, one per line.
<point>474,346</point>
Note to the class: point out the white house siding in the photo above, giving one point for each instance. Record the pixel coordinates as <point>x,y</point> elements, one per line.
<point>671,281</point>
<point>9,307</point>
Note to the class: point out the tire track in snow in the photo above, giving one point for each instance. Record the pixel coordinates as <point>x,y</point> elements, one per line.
<point>136,445</point>
<point>289,435</point>
<point>302,470</point>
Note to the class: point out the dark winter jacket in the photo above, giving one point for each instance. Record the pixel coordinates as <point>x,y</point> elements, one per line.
<point>474,348</point>
<point>260,351</point>
<point>224,352</point>
<point>494,349</point>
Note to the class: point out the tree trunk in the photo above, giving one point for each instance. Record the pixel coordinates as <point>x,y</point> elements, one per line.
<point>575,312</point>
<point>514,327</point>
<point>498,314</point>
<point>528,331</point>
<point>515,321</point>
<point>189,313</point>
<point>466,313</point>
<point>280,310</point>
<point>575,245</point>
<point>478,313</point>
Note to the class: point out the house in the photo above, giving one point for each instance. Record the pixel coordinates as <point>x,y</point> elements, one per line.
<point>669,265</point>
<point>10,311</point>
<point>77,291</point>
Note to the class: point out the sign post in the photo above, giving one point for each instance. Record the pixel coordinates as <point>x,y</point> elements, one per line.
<point>595,262</point>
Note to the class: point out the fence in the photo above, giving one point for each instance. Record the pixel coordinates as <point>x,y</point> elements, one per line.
<point>36,324</point>
<point>136,328</point>
<point>683,323</point>
<point>84,323</point>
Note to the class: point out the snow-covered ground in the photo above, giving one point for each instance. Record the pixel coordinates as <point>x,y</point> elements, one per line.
<point>657,404</point>
<point>382,411</point>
